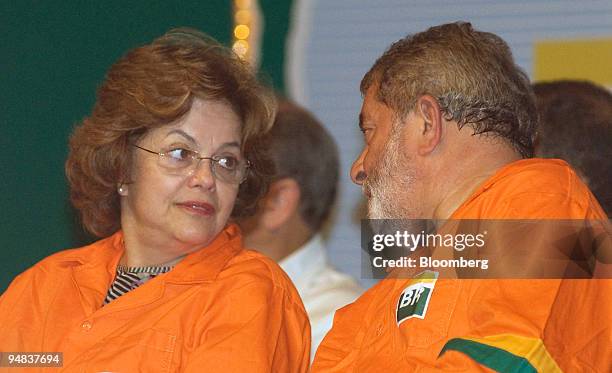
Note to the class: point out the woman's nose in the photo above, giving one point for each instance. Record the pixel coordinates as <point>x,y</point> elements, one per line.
<point>202,175</point>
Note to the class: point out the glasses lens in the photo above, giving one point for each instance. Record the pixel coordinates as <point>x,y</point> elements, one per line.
<point>178,160</point>
<point>229,169</point>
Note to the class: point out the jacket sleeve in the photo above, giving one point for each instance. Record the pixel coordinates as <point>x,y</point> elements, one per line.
<point>259,328</point>
<point>338,351</point>
<point>20,307</point>
<point>337,354</point>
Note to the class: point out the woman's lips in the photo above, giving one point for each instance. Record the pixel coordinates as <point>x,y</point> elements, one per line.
<point>197,207</point>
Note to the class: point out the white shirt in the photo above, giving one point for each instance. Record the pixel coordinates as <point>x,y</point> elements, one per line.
<point>323,289</point>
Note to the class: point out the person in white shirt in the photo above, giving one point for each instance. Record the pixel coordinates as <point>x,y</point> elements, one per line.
<point>287,224</point>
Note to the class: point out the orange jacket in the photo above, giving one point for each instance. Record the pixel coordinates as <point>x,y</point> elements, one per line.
<point>485,325</point>
<point>221,309</point>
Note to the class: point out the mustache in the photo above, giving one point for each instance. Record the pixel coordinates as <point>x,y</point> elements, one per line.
<point>369,186</point>
<point>366,190</point>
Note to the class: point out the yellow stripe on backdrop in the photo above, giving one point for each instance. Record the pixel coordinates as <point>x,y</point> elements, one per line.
<point>582,59</point>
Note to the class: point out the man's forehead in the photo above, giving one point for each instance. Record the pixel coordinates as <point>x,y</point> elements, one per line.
<point>368,103</point>
<point>371,93</point>
<point>371,106</point>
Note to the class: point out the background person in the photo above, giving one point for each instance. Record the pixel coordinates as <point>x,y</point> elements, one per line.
<point>576,126</point>
<point>449,122</point>
<point>168,154</point>
<point>288,221</point>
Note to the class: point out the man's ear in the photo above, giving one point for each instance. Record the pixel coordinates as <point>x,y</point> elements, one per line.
<point>280,203</point>
<point>428,109</point>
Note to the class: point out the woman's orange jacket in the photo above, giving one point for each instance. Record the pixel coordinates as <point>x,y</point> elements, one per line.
<point>222,309</point>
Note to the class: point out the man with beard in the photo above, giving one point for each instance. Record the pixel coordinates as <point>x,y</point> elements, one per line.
<point>449,122</point>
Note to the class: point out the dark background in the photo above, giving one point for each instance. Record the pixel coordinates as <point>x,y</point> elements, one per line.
<point>53,56</point>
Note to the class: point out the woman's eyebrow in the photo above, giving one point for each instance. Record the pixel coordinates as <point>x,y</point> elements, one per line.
<point>183,134</point>
<point>233,144</point>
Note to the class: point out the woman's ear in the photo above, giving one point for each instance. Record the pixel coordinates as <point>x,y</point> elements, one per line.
<point>122,189</point>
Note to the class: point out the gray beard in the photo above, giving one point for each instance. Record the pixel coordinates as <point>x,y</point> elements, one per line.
<point>391,184</point>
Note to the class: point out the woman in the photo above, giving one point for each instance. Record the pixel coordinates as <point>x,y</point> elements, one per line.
<point>167,156</point>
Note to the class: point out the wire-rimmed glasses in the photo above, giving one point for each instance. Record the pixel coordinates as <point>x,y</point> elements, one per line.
<point>180,161</point>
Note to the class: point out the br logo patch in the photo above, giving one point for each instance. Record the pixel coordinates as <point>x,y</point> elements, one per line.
<point>415,298</point>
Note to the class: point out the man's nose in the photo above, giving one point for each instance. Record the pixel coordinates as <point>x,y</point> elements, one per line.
<point>358,173</point>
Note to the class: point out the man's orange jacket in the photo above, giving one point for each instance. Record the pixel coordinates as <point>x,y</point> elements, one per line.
<point>504,325</point>
<point>221,309</point>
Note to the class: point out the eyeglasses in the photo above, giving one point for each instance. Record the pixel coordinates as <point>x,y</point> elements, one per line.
<point>179,161</point>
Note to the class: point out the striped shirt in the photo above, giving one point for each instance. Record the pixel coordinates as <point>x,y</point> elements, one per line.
<point>129,278</point>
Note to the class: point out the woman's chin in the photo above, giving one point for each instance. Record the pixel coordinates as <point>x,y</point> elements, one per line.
<point>198,237</point>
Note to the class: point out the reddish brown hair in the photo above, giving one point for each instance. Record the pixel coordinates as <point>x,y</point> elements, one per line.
<point>152,86</point>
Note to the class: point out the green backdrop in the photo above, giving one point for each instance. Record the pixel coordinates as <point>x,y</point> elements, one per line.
<point>276,20</point>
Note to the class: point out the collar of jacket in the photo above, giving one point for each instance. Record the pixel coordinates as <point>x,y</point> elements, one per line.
<point>93,270</point>
<point>200,266</point>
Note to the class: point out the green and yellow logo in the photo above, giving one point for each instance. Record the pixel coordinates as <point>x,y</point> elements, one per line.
<point>414,300</point>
